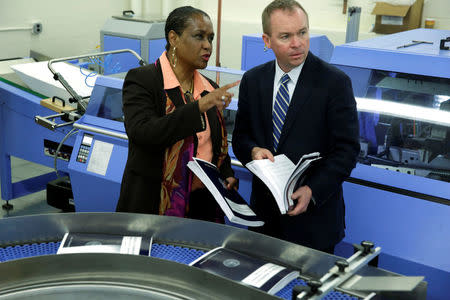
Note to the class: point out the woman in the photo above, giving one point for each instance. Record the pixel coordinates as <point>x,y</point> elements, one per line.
<point>173,113</point>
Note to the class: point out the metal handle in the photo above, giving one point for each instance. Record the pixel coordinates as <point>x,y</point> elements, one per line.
<point>66,85</point>
<point>101,131</point>
<point>128,13</point>
<point>48,122</point>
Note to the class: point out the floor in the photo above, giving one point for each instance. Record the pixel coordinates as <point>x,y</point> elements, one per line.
<point>35,203</point>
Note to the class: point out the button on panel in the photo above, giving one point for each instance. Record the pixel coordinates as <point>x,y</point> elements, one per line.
<point>85,148</point>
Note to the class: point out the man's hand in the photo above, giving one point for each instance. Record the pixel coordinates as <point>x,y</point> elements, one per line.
<point>303,195</point>
<point>261,153</point>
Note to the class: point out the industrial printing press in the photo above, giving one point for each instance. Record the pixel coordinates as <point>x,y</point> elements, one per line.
<point>45,131</point>
<point>20,103</point>
<point>399,193</point>
<point>30,269</point>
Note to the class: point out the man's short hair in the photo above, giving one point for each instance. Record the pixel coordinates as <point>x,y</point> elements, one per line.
<point>289,5</point>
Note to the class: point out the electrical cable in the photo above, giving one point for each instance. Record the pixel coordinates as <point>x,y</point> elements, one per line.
<point>71,132</point>
<point>86,76</point>
<point>106,64</point>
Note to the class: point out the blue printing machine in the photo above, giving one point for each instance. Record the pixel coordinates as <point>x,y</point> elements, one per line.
<point>96,183</point>
<point>414,225</point>
<point>408,215</point>
<point>254,53</point>
<point>22,137</point>
<point>141,34</point>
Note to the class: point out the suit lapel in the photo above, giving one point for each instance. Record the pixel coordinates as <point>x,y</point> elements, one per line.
<point>302,95</point>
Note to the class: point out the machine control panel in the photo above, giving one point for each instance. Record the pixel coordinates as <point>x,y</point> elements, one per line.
<point>85,147</point>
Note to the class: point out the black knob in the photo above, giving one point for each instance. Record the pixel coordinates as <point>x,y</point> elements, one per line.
<point>314,285</point>
<point>342,264</point>
<point>367,245</point>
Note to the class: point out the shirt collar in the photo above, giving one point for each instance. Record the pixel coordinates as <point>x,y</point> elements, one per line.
<point>294,74</point>
<point>170,80</point>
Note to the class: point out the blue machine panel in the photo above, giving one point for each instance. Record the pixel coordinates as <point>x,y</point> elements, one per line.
<point>93,189</point>
<point>100,150</point>
<point>253,52</point>
<point>382,53</point>
<point>124,61</point>
<point>155,49</point>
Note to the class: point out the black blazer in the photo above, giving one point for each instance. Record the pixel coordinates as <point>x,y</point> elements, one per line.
<point>150,131</point>
<point>321,117</point>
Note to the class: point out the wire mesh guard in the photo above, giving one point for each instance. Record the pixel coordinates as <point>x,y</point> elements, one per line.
<point>169,252</point>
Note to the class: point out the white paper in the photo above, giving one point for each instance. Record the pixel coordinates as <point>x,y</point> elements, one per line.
<point>262,275</point>
<point>276,176</point>
<point>100,156</point>
<point>40,79</point>
<point>391,20</point>
<point>278,171</point>
<point>131,245</point>
<point>239,208</point>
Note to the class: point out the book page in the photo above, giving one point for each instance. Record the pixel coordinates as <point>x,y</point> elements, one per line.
<point>239,208</point>
<point>275,175</point>
<point>298,176</point>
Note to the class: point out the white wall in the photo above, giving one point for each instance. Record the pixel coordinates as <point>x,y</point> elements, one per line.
<point>72,27</point>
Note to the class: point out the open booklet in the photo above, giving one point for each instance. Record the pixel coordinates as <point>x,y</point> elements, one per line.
<point>282,176</point>
<point>249,270</point>
<point>232,204</point>
<point>74,242</point>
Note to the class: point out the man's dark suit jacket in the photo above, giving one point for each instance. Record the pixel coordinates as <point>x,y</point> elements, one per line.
<point>322,117</point>
<point>150,131</point>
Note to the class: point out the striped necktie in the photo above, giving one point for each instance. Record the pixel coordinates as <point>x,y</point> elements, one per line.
<point>280,109</point>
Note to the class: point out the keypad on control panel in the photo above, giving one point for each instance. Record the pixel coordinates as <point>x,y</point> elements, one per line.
<point>83,153</point>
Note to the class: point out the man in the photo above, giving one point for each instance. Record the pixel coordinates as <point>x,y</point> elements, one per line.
<point>319,114</point>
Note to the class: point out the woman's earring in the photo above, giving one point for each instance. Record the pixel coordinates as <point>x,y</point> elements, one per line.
<point>174,57</point>
<point>265,48</point>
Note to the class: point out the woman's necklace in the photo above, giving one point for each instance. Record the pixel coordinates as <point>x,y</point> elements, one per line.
<point>189,94</point>
<point>191,89</point>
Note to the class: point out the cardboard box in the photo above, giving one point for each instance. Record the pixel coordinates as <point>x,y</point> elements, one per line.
<point>395,18</point>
